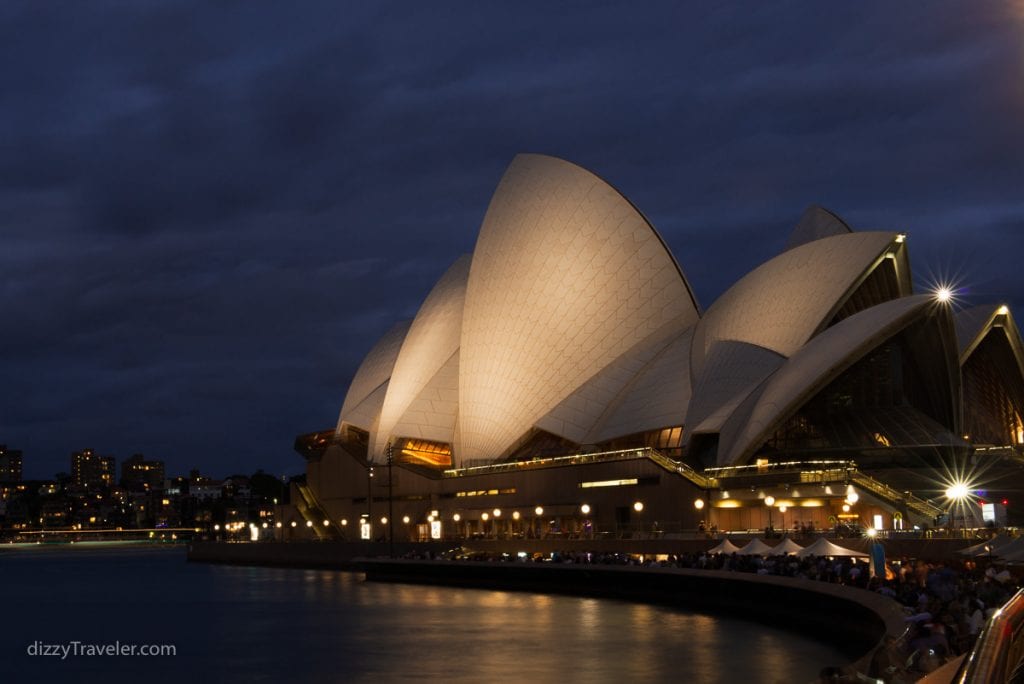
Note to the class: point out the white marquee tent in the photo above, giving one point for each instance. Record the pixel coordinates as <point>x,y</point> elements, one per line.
<point>823,547</point>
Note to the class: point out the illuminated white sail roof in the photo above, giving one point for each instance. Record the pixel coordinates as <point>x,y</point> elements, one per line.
<point>431,341</point>
<point>567,276</point>
<point>373,372</point>
<point>812,367</point>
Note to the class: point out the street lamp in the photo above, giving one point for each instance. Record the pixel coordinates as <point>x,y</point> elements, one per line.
<point>769,501</point>
<point>638,506</point>
<point>537,512</point>
<point>585,510</point>
<point>956,493</point>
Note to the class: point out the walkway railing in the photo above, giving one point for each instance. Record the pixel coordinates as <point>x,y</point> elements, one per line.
<point>579,459</point>
<point>915,504</point>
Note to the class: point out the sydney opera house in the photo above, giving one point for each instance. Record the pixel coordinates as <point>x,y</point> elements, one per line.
<point>563,380</point>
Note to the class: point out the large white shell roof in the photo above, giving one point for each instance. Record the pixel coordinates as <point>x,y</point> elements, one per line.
<point>567,276</point>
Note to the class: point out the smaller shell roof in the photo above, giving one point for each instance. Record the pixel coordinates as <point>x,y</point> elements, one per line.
<point>815,224</point>
<point>374,371</point>
<point>813,366</point>
<point>785,301</point>
<point>428,345</point>
<point>972,325</point>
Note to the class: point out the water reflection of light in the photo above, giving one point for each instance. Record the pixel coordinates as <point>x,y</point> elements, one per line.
<point>589,615</point>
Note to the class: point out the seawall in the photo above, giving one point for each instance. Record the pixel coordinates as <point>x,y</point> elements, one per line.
<point>854,620</point>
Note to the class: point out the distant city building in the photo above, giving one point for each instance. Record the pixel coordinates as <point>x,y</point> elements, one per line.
<point>204,488</point>
<point>138,474</point>
<point>91,470</point>
<point>10,464</point>
<point>207,490</point>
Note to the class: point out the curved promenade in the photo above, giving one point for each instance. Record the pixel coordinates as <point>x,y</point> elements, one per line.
<point>854,620</point>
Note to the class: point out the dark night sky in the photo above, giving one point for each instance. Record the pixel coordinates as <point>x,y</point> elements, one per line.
<point>210,211</point>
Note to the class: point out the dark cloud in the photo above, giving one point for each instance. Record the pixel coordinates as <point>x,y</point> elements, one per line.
<point>211,211</point>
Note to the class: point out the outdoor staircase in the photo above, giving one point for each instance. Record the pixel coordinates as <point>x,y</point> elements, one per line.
<point>924,510</point>
<point>312,511</point>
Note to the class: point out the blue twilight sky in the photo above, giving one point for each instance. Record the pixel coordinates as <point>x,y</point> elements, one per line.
<point>210,211</point>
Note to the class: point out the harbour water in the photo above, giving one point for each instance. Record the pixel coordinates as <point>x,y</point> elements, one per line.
<point>230,624</point>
